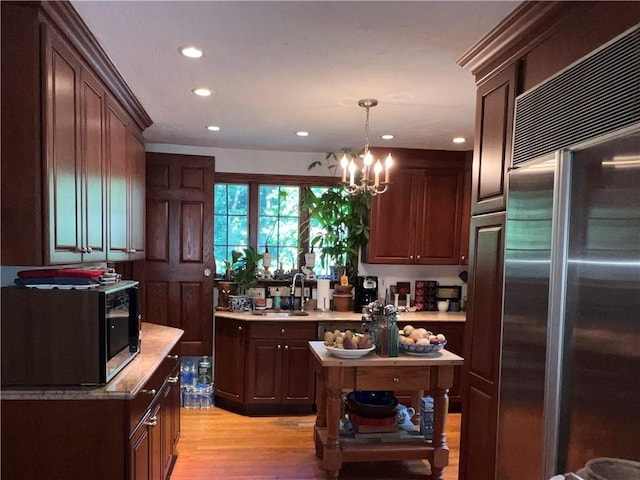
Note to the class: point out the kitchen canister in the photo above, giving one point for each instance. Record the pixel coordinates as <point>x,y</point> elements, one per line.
<point>384,328</point>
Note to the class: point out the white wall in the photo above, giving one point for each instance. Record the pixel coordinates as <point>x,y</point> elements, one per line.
<point>252,161</point>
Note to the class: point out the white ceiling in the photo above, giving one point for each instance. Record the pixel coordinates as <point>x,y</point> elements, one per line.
<point>277,67</point>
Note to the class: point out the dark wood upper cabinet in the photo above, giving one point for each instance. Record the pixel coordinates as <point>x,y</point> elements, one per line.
<point>494,127</point>
<point>126,187</point>
<point>419,220</point>
<point>57,84</point>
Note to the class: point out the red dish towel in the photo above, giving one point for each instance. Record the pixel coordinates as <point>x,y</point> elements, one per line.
<point>93,273</point>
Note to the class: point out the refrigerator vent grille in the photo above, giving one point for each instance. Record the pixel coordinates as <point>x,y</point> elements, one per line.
<point>598,95</point>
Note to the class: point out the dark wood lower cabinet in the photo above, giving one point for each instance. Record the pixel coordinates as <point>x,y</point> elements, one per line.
<point>98,439</point>
<point>481,375</point>
<point>277,377</point>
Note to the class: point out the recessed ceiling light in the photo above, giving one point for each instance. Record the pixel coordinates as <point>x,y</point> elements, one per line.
<point>213,128</point>
<point>387,136</point>
<point>203,92</point>
<point>191,52</point>
<point>459,140</point>
<point>302,134</point>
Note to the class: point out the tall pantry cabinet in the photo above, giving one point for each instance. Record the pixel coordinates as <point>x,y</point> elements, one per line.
<point>533,43</point>
<point>58,184</point>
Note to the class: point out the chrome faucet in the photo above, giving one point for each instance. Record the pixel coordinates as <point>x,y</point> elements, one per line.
<point>292,295</point>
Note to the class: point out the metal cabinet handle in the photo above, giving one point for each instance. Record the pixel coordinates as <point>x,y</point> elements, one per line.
<point>89,249</point>
<point>152,422</point>
<point>286,347</point>
<point>172,379</point>
<point>396,380</point>
<point>282,331</point>
<point>173,357</point>
<point>279,347</point>
<point>418,257</point>
<point>207,272</point>
<point>463,258</point>
<point>239,329</point>
<point>151,392</point>
<point>410,257</point>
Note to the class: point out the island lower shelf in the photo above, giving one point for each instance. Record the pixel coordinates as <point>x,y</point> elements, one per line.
<point>414,447</point>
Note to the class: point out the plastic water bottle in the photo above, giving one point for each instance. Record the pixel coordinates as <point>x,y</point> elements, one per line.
<point>188,374</point>
<point>205,373</point>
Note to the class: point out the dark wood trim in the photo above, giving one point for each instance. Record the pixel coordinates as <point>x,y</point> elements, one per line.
<point>71,25</point>
<point>509,39</point>
<point>533,24</point>
<point>301,180</point>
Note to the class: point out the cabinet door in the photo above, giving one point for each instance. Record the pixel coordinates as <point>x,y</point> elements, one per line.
<point>264,370</point>
<point>230,359</point>
<point>63,177</point>
<point>140,454</point>
<point>297,375</point>
<point>438,227</point>
<point>492,150</point>
<point>466,211</point>
<point>136,177</point>
<point>480,373</point>
<point>94,168</point>
<point>117,138</point>
<point>393,218</point>
<point>170,420</point>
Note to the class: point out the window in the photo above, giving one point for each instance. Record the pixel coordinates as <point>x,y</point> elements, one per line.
<point>258,210</point>
<point>230,221</point>
<point>278,223</point>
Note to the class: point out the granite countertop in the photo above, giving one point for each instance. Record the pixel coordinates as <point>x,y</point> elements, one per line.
<point>443,357</point>
<point>317,316</point>
<point>157,342</point>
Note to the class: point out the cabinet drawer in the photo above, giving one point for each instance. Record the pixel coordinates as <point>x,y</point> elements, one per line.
<point>151,390</point>
<point>293,331</point>
<point>392,378</point>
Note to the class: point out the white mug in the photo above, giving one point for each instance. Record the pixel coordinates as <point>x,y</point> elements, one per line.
<point>443,305</point>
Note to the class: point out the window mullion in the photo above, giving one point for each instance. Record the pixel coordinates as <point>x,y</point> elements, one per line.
<point>253,215</point>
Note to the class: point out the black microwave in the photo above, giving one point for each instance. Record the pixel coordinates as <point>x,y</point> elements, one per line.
<point>68,337</point>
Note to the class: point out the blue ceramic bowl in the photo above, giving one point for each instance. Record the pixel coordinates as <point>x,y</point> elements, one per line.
<point>372,404</point>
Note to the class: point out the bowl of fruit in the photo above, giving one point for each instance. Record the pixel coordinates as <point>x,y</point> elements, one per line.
<point>420,341</point>
<point>348,344</point>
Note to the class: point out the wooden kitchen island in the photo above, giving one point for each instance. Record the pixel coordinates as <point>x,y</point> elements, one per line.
<point>432,375</point>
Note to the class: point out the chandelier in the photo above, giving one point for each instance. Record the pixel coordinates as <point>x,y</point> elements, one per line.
<point>369,181</point>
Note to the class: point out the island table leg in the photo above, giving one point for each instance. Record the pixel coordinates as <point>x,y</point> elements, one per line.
<point>332,454</point>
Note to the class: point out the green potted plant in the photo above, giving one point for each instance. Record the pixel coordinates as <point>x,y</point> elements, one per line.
<point>244,266</point>
<point>345,221</point>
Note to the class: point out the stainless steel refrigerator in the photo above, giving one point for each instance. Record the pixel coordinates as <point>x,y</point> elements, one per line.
<point>570,360</point>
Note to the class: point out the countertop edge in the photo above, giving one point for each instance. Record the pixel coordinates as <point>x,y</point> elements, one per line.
<point>343,317</point>
<point>442,358</point>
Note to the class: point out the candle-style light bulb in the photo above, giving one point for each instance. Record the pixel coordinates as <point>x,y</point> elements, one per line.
<point>344,163</point>
<point>367,161</point>
<point>387,166</point>
<point>352,171</point>
<point>377,169</point>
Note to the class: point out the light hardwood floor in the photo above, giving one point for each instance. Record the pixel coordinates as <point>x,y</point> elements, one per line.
<point>217,444</point>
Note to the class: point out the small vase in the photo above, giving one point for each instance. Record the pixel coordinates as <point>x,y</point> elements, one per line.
<point>240,303</point>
